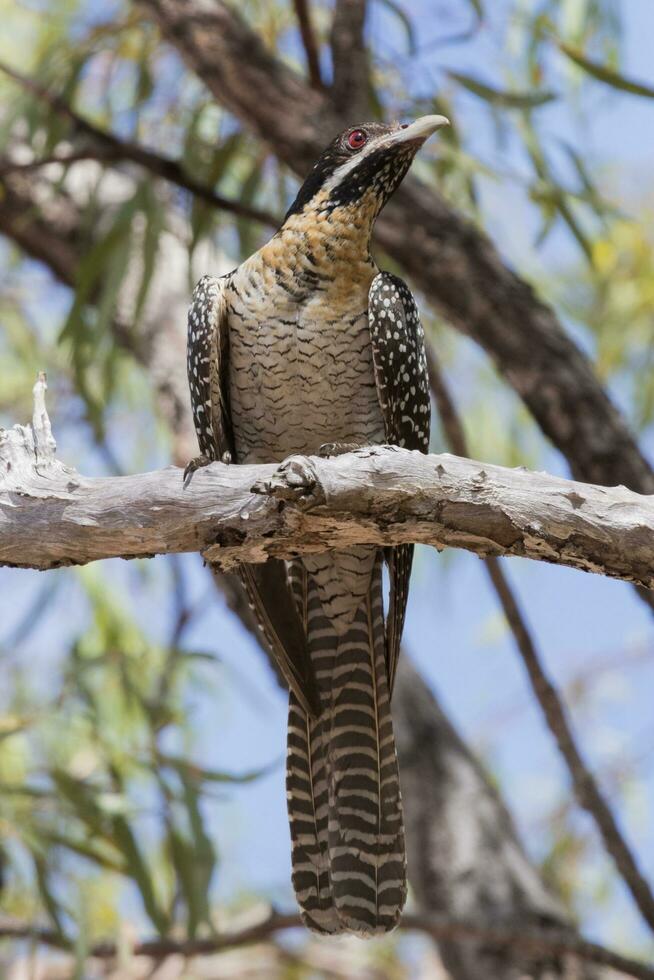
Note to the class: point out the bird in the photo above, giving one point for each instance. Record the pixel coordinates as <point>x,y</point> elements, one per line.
<point>308,348</point>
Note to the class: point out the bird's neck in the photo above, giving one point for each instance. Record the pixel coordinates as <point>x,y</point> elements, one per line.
<point>325,244</point>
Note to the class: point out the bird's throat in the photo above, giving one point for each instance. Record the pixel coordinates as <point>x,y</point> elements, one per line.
<point>324,243</point>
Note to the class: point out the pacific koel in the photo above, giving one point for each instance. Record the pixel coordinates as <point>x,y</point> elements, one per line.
<point>305,348</point>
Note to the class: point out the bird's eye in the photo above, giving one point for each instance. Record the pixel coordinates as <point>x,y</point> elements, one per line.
<point>356,139</point>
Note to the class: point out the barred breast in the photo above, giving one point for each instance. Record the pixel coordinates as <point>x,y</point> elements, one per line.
<point>301,371</point>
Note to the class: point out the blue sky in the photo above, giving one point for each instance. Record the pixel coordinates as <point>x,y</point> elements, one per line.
<point>454,632</point>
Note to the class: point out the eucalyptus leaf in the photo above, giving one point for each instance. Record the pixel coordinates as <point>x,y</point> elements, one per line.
<point>605,74</point>
<point>189,771</point>
<point>502,97</point>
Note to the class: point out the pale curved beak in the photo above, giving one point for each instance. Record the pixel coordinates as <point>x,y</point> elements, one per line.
<point>421,129</point>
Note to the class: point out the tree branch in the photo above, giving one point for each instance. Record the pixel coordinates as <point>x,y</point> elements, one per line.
<point>307,33</point>
<point>351,69</point>
<point>53,516</point>
<point>107,148</point>
<point>586,788</point>
<point>439,928</point>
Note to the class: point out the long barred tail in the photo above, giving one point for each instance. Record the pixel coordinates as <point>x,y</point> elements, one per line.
<point>344,805</point>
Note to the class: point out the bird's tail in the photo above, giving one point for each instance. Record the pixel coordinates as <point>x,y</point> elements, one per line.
<point>343,791</point>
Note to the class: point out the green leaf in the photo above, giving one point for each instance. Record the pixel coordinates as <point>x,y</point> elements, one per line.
<point>203,852</point>
<point>93,268</point>
<point>81,798</point>
<point>590,193</point>
<point>115,829</point>
<point>155,224</point>
<point>47,896</point>
<point>551,196</point>
<point>549,221</point>
<point>188,771</point>
<point>145,79</point>
<point>101,853</point>
<point>203,213</point>
<point>194,869</point>
<point>604,74</point>
<point>246,232</point>
<point>499,97</point>
<point>138,869</point>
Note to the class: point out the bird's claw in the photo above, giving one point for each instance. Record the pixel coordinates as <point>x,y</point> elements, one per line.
<point>295,479</point>
<point>195,464</point>
<point>198,462</point>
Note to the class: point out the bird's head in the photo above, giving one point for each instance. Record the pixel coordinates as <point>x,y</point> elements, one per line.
<point>356,174</point>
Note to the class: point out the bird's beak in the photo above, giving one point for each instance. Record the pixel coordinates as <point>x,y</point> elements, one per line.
<point>421,129</point>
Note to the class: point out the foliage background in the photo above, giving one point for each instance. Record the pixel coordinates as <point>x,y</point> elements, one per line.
<point>141,732</point>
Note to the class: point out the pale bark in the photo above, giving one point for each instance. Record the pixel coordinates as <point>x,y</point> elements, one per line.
<point>52,516</point>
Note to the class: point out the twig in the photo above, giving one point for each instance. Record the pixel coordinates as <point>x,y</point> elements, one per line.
<point>107,147</point>
<point>585,786</point>
<point>351,69</point>
<point>303,14</point>
<point>537,941</point>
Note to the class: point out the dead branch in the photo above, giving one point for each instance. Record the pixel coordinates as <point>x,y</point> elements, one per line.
<point>309,42</point>
<point>351,65</point>
<point>50,515</point>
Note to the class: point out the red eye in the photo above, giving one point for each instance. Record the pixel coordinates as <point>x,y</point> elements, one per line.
<point>356,139</point>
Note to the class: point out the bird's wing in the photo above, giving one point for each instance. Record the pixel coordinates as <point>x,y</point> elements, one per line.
<point>398,353</point>
<point>208,368</point>
<point>266,584</point>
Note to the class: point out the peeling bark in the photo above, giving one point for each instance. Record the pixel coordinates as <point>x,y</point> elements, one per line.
<point>51,516</point>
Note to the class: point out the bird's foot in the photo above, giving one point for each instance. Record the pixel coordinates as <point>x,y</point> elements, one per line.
<point>195,464</point>
<point>338,448</point>
<point>198,462</point>
<point>295,479</point>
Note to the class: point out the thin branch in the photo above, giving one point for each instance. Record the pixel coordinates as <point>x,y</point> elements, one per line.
<point>440,928</point>
<point>106,147</point>
<point>351,68</point>
<point>8,167</point>
<point>379,495</point>
<point>309,42</point>
<point>586,787</point>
